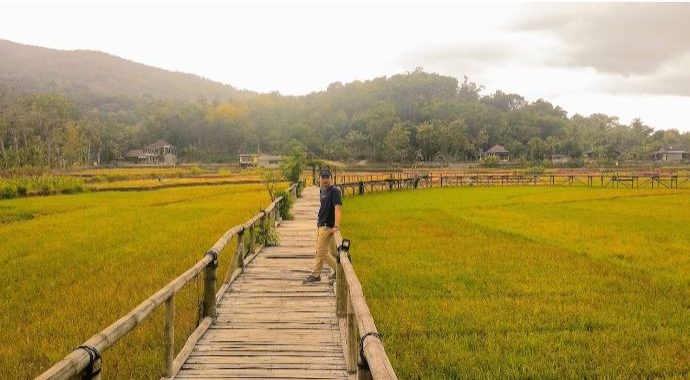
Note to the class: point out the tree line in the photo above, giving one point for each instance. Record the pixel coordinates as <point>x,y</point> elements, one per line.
<point>414,116</point>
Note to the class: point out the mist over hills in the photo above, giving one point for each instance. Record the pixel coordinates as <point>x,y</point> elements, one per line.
<point>81,73</point>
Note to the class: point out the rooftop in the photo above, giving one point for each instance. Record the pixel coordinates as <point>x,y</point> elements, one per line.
<point>497,149</point>
<point>158,144</point>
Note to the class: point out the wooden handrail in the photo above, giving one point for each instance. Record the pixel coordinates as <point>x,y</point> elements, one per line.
<point>77,361</point>
<point>484,179</point>
<point>351,307</point>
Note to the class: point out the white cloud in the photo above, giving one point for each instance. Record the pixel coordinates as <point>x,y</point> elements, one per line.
<point>630,38</point>
<point>672,78</point>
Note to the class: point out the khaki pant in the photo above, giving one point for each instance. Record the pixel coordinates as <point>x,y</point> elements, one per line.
<point>325,250</point>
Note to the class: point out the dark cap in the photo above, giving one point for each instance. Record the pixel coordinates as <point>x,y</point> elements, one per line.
<point>325,172</point>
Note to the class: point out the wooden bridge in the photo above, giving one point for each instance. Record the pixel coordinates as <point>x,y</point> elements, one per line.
<point>263,322</point>
<point>361,186</point>
<point>269,324</point>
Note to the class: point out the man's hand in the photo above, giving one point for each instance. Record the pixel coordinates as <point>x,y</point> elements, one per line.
<point>334,229</point>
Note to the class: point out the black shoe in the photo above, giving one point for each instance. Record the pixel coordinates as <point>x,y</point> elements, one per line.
<point>311,279</point>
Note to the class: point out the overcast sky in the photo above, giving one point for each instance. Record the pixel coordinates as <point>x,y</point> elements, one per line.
<point>627,60</point>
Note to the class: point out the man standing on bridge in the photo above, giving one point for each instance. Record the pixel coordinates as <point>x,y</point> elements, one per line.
<point>328,223</point>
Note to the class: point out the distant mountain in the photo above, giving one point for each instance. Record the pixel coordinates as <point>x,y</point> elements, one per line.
<point>82,73</point>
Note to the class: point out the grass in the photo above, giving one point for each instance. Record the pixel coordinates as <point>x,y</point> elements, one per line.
<point>39,185</point>
<point>555,283</point>
<point>70,265</point>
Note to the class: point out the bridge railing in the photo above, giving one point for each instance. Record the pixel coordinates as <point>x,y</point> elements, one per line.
<point>470,180</point>
<point>365,354</point>
<point>85,361</point>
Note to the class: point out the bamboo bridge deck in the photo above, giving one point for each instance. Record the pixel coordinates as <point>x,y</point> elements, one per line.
<point>269,324</point>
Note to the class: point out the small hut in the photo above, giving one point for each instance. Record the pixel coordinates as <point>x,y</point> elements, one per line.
<point>254,160</point>
<point>163,152</point>
<point>670,154</point>
<point>499,152</point>
<point>560,159</point>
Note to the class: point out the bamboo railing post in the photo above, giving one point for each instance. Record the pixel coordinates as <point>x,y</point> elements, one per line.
<point>360,327</point>
<point>239,253</point>
<point>340,290</point>
<point>278,216</point>
<point>210,285</point>
<point>264,223</point>
<point>352,338</point>
<point>364,373</point>
<point>252,239</point>
<point>95,370</point>
<point>97,367</point>
<point>169,337</point>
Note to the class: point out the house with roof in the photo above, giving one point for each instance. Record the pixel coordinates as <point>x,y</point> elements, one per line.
<point>159,152</point>
<point>671,154</point>
<point>499,152</point>
<point>560,159</point>
<point>255,160</point>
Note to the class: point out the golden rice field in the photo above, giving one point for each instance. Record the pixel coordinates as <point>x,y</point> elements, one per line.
<point>527,282</point>
<point>151,184</point>
<point>121,179</point>
<point>503,282</point>
<point>72,264</point>
<point>142,172</point>
<point>148,178</point>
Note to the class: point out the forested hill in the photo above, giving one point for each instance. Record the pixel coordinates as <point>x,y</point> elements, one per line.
<point>82,73</point>
<point>404,118</point>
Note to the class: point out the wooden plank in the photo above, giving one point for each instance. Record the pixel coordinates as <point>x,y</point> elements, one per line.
<point>189,345</point>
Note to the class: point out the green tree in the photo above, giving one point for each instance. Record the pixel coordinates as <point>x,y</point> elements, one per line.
<point>396,143</point>
<point>293,165</point>
<point>537,149</point>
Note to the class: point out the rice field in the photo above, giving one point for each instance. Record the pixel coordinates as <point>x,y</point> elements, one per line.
<point>503,282</point>
<point>122,179</point>
<point>517,282</point>
<point>72,264</point>
<point>151,184</point>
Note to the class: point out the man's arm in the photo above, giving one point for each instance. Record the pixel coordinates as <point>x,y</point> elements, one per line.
<point>338,215</point>
<point>337,199</point>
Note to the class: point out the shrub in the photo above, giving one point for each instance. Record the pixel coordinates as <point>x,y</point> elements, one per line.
<point>45,189</point>
<point>22,189</point>
<point>286,205</point>
<point>43,185</point>
<point>489,162</point>
<point>268,237</point>
<point>117,177</point>
<point>8,191</point>
<point>195,170</point>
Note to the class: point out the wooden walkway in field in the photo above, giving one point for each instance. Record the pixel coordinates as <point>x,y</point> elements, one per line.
<point>269,324</point>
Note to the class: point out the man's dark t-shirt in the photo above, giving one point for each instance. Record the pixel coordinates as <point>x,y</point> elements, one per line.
<point>330,197</point>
